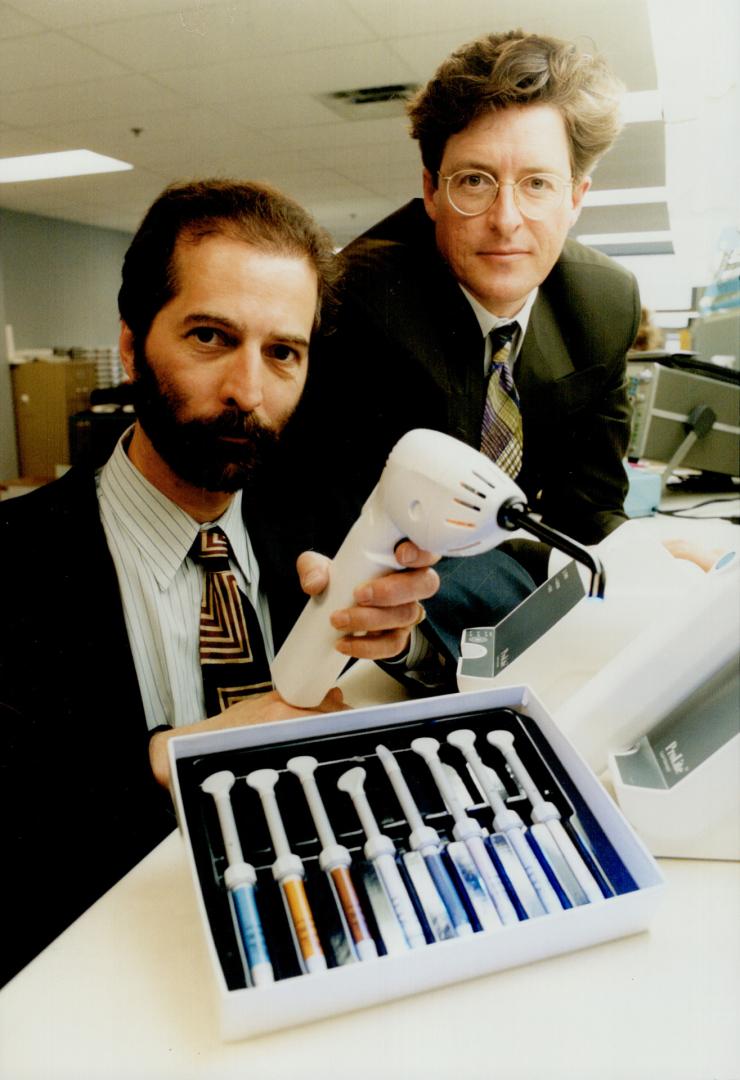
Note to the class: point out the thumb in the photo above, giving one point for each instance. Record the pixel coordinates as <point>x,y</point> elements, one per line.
<point>313,572</point>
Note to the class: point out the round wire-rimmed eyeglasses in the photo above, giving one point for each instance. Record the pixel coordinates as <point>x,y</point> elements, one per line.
<point>471,192</point>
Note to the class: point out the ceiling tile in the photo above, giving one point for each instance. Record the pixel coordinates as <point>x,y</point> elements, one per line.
<point>390,19</point>
<point>14,24</point>
<point>365,133</point>
<point>194,36</point>
<point>346,220</point>
<point>64,13</point>
<point>597,26</point>
<point>397,191</point>
<point>264,112</point>
<point>18,143</point>
<point>228,86</point>
<point>179,133</point>
<point>321,186</point>
<point>50,59</point>
<point>226,159</point>
<point>140,42</point>
<point>392,161</point>
<point>280,161</point>
<point>114,216</point>
<point>315,71</point>
<point>123,97</point>
<point>138,186</point>
<point>40,200</point>
<point>65,190</point>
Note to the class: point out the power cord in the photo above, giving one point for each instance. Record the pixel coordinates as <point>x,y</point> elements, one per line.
<point>686,511</point>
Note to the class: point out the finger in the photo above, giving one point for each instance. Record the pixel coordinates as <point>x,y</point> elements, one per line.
<point>313,572</point>
<point>382,646</point>
<point>692,552</point>
<point>334,701</point>
<point>393,589</point>
<point>409,554</point>
<point>373,620</point>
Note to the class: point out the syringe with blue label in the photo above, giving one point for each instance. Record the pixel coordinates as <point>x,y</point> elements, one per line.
<point>240,879</point>
<point>424,839</point>
<point>469,830</point>
<point>506,821</point>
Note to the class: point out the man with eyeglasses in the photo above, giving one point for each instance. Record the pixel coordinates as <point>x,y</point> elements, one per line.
<point>509,129</point>
<point>472,312</point>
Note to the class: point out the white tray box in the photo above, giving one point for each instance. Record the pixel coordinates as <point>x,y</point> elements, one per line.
<point>255,1010</point>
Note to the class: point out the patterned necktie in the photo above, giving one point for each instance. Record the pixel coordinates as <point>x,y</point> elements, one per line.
<point>501,431</point>
<point>232,654</point>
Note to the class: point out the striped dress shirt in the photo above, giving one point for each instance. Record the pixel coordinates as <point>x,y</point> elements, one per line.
<point>149,538</point>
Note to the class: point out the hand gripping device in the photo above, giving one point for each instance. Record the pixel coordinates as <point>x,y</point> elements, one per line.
<point>445,496</point>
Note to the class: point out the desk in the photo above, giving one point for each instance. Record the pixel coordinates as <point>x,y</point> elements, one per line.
<point>126,993</point>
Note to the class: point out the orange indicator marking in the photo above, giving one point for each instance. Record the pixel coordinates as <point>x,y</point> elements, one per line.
<point>300,913</point>
<point>350,904</point>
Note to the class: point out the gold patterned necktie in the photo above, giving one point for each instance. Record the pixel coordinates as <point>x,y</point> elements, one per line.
<point>232,654</point>
<point>501,430</point>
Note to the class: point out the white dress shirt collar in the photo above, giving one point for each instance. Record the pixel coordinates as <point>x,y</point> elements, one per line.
<point>162,531</point>
<point>488,322</point>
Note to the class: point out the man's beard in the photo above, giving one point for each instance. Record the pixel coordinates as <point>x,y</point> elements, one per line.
<point>195,449</point>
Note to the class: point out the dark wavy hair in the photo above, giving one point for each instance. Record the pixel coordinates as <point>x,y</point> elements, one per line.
<point>516,68</point>
<point>256,213</point>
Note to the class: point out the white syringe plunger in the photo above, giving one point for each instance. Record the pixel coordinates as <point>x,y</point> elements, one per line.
<point>263,781</point>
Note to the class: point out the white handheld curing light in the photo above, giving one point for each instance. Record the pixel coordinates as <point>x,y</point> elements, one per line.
<point>447,498</point>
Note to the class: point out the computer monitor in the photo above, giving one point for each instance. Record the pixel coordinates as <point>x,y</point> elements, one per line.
<point>667,390</point>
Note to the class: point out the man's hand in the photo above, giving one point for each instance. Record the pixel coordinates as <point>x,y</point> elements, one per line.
<point>259,709</point>
<point>695,553</point>
<point>379,624</point>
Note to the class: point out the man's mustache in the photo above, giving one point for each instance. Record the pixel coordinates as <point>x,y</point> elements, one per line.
<point>235,424</point>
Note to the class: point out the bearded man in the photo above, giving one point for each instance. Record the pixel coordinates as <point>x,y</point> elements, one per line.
<point>112,586</point>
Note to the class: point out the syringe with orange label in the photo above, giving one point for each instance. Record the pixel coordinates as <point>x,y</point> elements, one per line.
<point>288,872</point>
<point>335,860</point>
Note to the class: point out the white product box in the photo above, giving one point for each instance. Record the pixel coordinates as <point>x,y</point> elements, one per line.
<point>678,784</point>
<point>349,738</point>
<point>664,629</point>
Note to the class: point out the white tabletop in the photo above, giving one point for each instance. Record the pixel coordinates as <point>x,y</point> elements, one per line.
<point>126,993</point>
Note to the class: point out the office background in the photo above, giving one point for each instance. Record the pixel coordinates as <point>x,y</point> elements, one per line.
<point>183,88</point>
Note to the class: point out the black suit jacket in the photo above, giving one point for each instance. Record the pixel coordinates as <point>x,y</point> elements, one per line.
<point>80,806</point>
<point>406,352</point>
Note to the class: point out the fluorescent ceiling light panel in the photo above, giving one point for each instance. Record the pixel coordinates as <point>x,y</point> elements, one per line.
<point>51,166</point>
<point>626,196</point>
<point>626,238</point>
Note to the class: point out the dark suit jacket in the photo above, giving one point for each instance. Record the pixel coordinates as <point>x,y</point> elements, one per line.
<point>407,353</point>
<point>80,806</point>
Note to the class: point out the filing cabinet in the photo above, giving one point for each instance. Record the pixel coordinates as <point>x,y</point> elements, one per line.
<point>45,395</point>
